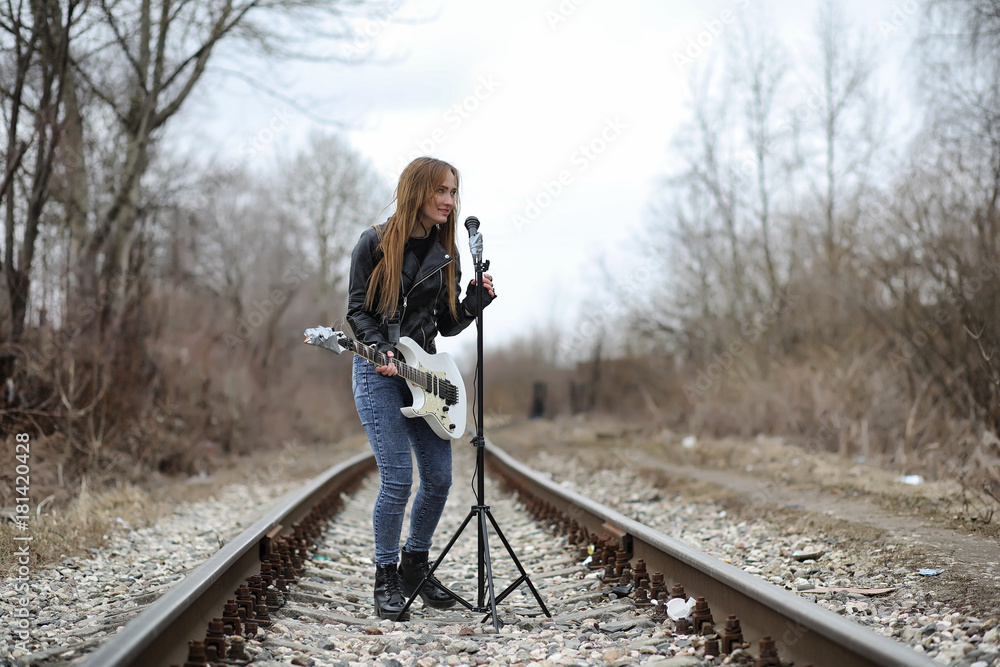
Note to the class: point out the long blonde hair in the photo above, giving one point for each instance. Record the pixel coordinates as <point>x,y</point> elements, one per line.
<point>417,184</point>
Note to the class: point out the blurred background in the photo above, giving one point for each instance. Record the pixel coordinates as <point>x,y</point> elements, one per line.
<point>716,218</point>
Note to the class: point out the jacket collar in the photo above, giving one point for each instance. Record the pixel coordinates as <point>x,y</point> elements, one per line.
<point>436,259</point>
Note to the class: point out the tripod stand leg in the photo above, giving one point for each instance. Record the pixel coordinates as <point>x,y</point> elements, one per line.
<point>440,558</point>
<point>484,560</point>
<point>520,568</point>
<point>483,510</point>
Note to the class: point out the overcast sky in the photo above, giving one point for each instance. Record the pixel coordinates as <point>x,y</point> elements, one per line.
<point>558,115</point>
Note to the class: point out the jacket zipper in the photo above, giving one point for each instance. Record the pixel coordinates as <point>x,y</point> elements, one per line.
<point>402,314</point>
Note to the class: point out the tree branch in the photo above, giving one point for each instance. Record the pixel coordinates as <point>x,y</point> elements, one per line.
<point>120,39</point>
<point>277,95</point>
<point>12,166</point>
<point>113,104</point>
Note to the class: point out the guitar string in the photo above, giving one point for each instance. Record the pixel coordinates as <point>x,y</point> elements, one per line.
<point>441,387</point>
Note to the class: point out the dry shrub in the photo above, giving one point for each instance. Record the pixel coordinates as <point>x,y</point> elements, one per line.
<point>181,396</point>
<point>857,402</point>
<point>634,389</point>
<point>858,405</point>
<point>857,408</point>
<point>250,388</point>
<point>511,373</point>
<point>83,523</point>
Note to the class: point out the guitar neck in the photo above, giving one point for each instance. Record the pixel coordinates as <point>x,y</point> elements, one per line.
<point>381,359</point>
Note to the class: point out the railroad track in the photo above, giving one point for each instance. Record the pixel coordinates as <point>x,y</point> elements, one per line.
<point>296,586</point>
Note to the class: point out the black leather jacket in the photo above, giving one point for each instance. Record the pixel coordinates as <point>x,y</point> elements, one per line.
<point>423,303</point>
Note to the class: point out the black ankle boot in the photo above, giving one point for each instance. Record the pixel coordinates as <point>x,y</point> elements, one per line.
<point>389,598</point>
<point>413,568</point>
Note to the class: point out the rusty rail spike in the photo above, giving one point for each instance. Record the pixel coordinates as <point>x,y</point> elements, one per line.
<point>768,654</point>
<point>660,610</point>
<point>639,574</point>
<point>642,597</point>
<point>196,654</point>
<point>732,634</point>
<point>621,562</point>
<point>682,626</point>
<point>215,639</point>
<point>656,585</point>
<point>700,615</point>
<point>231,619</point>
<point>712,645</point>
<point>237,653</point>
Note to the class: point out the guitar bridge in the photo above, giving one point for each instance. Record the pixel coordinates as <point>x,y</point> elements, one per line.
<point>448,392</point>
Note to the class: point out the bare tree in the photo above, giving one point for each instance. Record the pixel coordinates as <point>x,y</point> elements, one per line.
<point>759,68</point>
<point>845,113</point>
<point>702,206</point>
<point>31,107</point>
<point>333,194</point>
<point>692,291</point>
<point>88,90</point>
<point>142,60</point>
<point>721,212</point>
<point>939,259</point>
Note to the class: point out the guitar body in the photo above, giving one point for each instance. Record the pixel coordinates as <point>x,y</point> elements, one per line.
<point>447,421</point>
<point>437,386</point>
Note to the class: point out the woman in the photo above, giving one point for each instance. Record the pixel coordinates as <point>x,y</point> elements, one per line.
<point>405,281</point>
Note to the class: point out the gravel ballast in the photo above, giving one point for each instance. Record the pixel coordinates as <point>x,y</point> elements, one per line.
<point>80,601</point>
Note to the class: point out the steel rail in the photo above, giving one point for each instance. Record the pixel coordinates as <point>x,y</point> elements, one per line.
<point>159,636</point>
<point>802,630</point>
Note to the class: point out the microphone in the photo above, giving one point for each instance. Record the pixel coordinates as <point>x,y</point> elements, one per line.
<point>475,238</point>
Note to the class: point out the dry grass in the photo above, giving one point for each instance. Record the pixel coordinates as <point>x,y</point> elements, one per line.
<point>73,527</point>
<point>82,524</point>
<point>853,405</point>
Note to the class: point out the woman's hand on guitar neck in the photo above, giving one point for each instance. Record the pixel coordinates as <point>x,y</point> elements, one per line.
<point>390,368</point>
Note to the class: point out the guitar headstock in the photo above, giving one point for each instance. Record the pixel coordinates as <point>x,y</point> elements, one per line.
<point>327,338</point>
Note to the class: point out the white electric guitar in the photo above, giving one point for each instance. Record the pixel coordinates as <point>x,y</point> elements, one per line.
<point>437,386</point>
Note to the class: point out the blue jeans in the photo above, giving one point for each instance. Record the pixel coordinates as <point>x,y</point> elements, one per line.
<point>391,435</point>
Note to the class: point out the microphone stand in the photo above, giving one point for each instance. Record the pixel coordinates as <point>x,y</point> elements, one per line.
<point>480,510</point>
